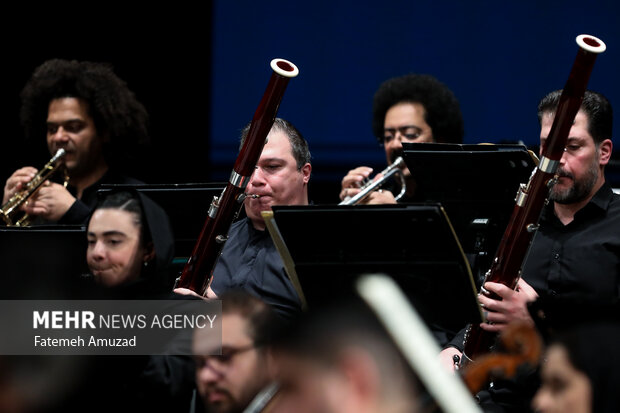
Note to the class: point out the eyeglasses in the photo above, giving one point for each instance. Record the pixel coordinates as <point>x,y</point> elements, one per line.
<point>220,363</point>
<point>407,133</point>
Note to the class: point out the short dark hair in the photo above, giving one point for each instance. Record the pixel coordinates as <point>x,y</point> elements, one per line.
<point>127,201</point>
<point>299,145</point>
<point>442,110</point>
<point>260,318</point>
<point>114,108</point>
<point>594,105</point>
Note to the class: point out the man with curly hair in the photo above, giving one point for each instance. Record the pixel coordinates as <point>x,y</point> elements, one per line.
<point>86,109</point>
<point>412,108</point>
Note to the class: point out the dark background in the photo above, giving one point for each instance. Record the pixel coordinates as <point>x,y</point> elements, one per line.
<point>201,71</point>
<point>164,57</point>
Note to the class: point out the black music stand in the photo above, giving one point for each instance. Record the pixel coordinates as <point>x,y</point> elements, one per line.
<point>330,246</point>
<point>186,205</point>
<point>476,184</point>
<point>43,262</point>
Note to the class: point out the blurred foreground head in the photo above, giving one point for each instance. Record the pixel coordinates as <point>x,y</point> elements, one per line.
<point>340,359</point>
<point>581,372</point>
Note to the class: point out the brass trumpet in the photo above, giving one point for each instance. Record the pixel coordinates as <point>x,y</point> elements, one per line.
<point>10,210</point>
<point>368,187</point>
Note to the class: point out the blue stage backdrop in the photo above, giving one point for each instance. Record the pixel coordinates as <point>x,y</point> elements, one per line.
<point>499,58</point>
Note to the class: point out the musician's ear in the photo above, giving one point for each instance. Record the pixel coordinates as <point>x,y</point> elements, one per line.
<point>605,149</point>
<point>362,378</point>
<point>306,170</point>
<point>149,253</point>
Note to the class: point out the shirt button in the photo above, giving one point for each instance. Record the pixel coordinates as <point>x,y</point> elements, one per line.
<point>556,256</point>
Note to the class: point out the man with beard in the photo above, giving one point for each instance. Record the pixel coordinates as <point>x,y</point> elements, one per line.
<point>414,109</point>
<point>87,110</point>
<point>227,383</point>
<point>576,250</point>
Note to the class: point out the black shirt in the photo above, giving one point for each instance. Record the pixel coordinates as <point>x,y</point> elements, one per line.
<point>80,210</point>
<point>250,261</point>
<point>578,259</point>
<point>581,258</point>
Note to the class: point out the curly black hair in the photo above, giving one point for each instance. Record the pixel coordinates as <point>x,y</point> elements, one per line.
<point>443,113</point>
<point>116,112</point>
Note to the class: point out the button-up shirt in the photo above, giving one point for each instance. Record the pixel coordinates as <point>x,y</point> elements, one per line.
<point>581,258</point>
<point>250,261</point>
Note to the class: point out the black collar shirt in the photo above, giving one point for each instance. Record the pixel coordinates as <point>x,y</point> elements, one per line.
<point>581,258</point>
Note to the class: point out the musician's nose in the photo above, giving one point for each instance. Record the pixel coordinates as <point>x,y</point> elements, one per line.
<point>542,401</point>
<point>207,375</point>
<point>258,177</point>
<point>397,141</point>
<point>563,158</point>
<point>59,136</point>
<point>96,250</point>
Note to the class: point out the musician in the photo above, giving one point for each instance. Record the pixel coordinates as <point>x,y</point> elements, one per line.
<point>130,248</point>
<point>130,245</point>
<point>412,108</point>
<point>581,371</point>
<point>86,109</point>
<point>338,358</point>
<point>576,250</point>
<point>228,383</point>
<point>249,260</point>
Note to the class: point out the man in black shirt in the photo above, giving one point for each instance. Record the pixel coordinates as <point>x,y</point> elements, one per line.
<point>577,248</point>
<point>249,260</point>
<point>576,251</point>
<point>87,110</point>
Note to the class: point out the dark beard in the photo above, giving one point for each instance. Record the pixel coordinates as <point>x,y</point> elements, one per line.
<point>580,189</point>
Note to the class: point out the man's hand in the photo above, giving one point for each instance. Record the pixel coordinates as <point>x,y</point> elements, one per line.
<point>209,294</point>
<point>446,358</point>
<point>187,291</point>
<point>511,307</point>
<point>353,180</point>
<point>51,202</point>
<point>380,197</point>
<point>17,181</point>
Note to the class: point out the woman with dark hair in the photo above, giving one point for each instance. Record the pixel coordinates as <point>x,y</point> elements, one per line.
<point>130,248</point>
<point>581,372</point>
<point>130,245</point>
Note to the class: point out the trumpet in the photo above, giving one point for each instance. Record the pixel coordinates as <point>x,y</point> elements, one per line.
<point>368,187</point>
<point>10,210</point>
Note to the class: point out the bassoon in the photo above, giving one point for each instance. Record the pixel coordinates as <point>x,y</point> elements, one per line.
<point>532,197</point>
<point>198,270</point>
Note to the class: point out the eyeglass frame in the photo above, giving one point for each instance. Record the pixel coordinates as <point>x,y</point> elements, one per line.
<point>223,360</point>
<point>401,130</point>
